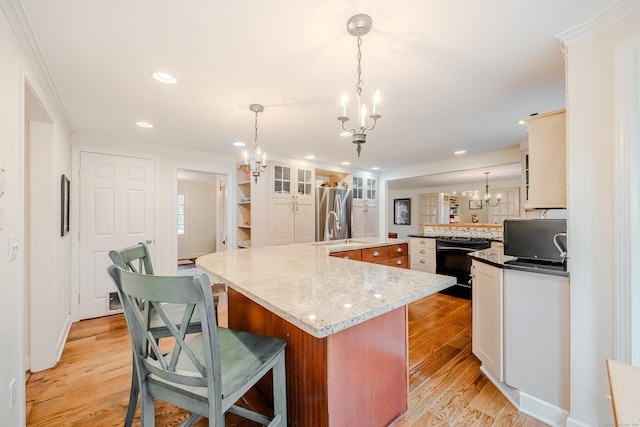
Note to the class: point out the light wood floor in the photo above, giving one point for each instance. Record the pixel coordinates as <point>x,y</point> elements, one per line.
<point>90,384</point>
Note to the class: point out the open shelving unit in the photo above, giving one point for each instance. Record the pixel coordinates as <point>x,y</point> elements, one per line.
<point>244,208</point>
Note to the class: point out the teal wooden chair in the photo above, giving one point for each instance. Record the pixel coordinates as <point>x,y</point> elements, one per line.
<point>205,373</point>
<point>137,259</point>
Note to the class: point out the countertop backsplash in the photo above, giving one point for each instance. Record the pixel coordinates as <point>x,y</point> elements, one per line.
<point>488,231</point>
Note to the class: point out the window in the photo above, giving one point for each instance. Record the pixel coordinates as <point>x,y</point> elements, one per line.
<point>180,213</point>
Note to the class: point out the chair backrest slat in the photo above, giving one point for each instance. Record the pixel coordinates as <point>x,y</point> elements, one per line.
<point>127,258</point>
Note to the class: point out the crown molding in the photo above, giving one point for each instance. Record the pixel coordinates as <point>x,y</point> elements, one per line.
<point>612,15</point>
<point>17,18</point>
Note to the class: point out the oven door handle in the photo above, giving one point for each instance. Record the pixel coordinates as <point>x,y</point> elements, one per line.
<point>456,248</point>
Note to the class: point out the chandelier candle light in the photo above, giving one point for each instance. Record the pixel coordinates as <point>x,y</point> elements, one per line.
<point>258,162</point>
<point>358,26</point>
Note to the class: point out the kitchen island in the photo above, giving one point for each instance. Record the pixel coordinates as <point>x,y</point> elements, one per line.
<point>345,323</point>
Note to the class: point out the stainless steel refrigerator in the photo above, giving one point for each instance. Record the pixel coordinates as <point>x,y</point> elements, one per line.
<point>333,212</point>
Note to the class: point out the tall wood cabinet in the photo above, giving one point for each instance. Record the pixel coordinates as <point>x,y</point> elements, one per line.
<point>546,161</point>
<point>291,204</point>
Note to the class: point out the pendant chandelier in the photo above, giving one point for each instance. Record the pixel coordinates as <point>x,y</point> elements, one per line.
<point>487,196</point>
<point>256,163</point>
<point>358,26</point>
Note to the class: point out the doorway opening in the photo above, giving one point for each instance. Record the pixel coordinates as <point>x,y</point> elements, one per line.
<point>200,216</point>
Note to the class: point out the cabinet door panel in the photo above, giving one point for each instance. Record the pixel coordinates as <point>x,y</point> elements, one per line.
<point>398,250</point>
<point>355,255</point>
<point>371,221</point>
<point>487,317</point>
<point>281,216</point>
<point>375,254</point>
<point>401,261</point>
<point>305,230</point>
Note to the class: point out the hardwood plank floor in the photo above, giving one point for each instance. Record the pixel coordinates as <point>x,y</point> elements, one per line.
<point>90,384</point>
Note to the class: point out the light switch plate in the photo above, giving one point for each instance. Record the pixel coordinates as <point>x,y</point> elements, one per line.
<point>2,181</point>
<point>13,247</point>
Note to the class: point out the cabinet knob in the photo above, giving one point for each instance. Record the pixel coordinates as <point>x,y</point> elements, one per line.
<point>422,251</point>
<point>346,257</point>
<point>399,250</point>
<point>376,253</point>
<point>422,242</point>
<point>399,262</point>
<point>422,261</point>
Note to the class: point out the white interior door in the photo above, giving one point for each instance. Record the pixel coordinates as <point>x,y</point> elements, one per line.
<point>117,209</point>
<point>509,206</point>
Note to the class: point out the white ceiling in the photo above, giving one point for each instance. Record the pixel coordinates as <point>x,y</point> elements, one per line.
<point>454,74</point>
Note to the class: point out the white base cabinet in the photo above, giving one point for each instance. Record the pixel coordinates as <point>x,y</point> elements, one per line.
<point>487,317</point>
<point>536,335</point>
<point>520,333</point>
<point>422,254</point>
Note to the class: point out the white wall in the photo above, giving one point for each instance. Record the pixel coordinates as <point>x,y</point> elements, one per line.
<point>15,70</point>
<point>591,150</point>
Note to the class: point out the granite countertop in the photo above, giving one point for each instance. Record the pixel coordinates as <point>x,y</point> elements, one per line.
<point>318,293</point>
<point>497,258</point>
<point>355,244</point>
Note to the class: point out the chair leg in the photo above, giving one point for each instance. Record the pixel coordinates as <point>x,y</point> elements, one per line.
<point>280,390</point>
<point>133,401</point>
<point>147,410</point>
<point>133,398</point>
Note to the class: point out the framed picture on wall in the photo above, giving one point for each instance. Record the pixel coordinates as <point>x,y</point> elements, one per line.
<point>475,205</point>
<point>64,206</point>
<point>402,211</point>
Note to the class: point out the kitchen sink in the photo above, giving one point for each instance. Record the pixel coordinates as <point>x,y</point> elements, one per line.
<point>342,242</point>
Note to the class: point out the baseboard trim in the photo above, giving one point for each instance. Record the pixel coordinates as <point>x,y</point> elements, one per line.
<point>543,411</point>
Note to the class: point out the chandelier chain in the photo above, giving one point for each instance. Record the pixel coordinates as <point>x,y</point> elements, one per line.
<point>359,70</point>
<point>255,139</point>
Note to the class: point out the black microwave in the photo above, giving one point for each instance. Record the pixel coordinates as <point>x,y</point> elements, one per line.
<point>533,239</point>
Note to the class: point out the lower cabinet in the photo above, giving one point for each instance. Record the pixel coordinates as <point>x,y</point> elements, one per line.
<point>392,255</point>
<point>536,335</point>
<point>520,333</point>
<point>487,317</point>
<point>423,254</point>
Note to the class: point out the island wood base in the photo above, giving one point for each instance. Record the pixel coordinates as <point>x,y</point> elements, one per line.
<point>357,376</point>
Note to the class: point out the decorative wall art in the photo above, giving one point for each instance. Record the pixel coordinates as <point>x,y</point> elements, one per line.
<point>64,206</point>
<point>402,211</point>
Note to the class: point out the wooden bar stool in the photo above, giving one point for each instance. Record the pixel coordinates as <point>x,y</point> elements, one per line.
<point>624,384</point>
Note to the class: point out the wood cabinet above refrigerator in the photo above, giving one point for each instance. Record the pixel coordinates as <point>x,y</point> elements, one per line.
<point>547,161</point>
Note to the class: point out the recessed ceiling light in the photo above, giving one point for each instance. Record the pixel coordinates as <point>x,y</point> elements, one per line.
<point>460,152</point>
<point>520,122</point>
<point>375,168</point>
<point>346,163</point>
<point>310,156</point>
<point>163,77</point>
<point>239,144</point>
<point>146,125</point>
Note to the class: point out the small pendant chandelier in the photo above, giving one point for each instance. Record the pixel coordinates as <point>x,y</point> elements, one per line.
<point>257,163</point>
<point>487,196</point>
<point>358,26</point>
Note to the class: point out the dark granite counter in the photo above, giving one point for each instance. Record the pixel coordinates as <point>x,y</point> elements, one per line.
<point>497,258</point>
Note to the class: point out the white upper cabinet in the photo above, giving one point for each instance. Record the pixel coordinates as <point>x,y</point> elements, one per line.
<point>547,161</point>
